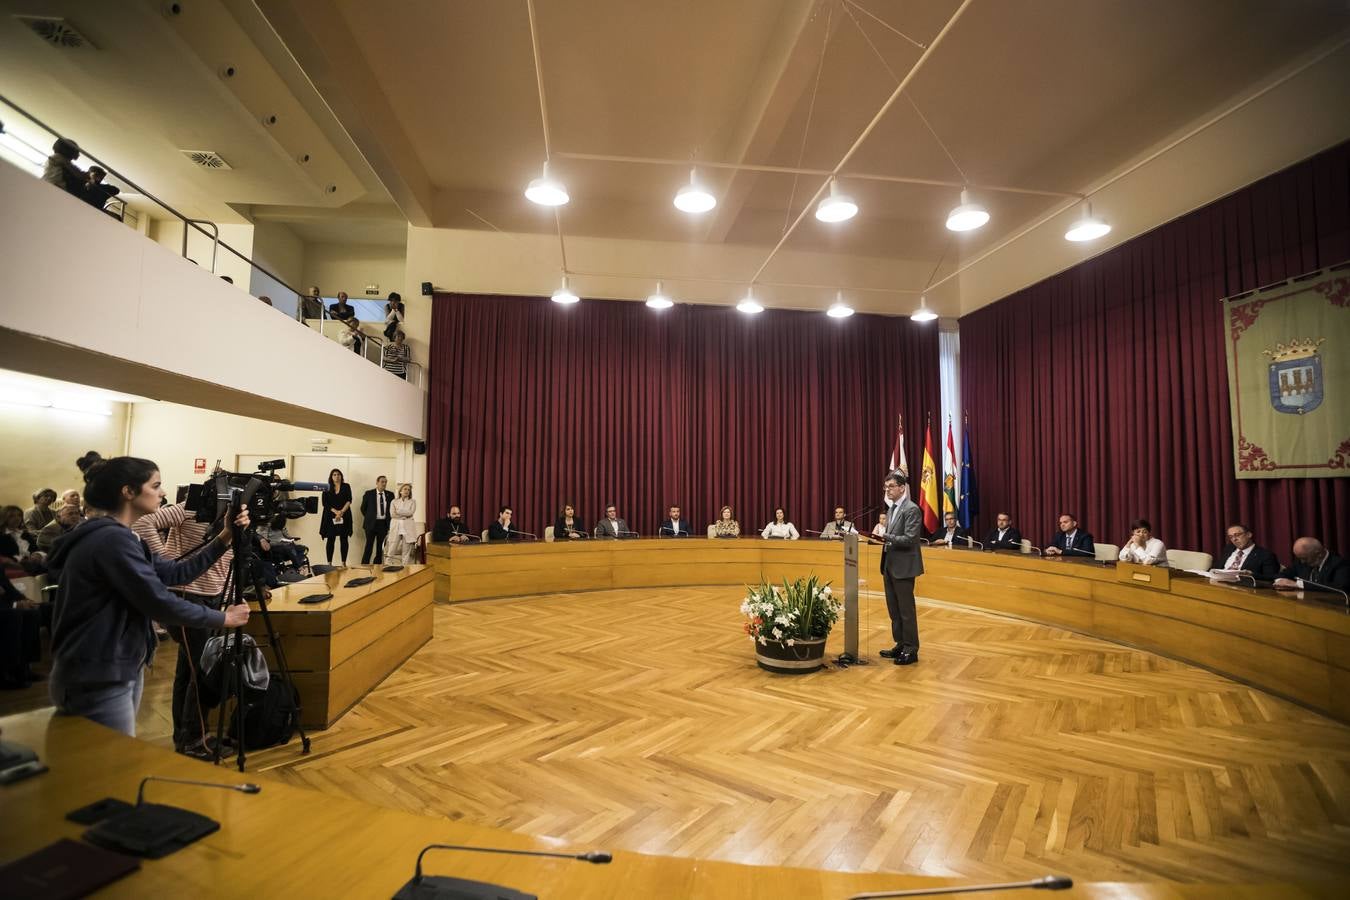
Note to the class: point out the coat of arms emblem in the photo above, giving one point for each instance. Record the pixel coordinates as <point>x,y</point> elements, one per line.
<point>1296,376</point>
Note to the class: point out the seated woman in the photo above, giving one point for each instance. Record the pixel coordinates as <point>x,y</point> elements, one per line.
<point>726,525</point>
<point>1142,547</point>
<point>568,526</point>
<point>780,527</point>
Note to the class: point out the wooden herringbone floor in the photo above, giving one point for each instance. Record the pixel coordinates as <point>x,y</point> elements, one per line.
<point>638,720</point>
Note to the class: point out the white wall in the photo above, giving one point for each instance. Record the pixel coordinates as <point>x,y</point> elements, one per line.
<point>202,250</point>
<point>143,321</point>
<point>350,267</point>
<point>41,446</point>
<point>280,251</point>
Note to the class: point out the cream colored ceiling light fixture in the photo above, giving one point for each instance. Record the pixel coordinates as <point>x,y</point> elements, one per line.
<point>564,294</point>
<point>694,197</point>
<point>659,300</point>
<point>836,207</point>
<point>749,305</point>
<point>546,190</point>
<point>840,310</point>
<point>923,313</point>
<point>968,216</point>
<point>1088,227</point>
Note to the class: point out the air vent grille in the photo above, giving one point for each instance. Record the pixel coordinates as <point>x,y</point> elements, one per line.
<point>207,159</point>
<point>57,31</point>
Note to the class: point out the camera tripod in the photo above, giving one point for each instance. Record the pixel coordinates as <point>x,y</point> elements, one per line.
<point>243,572</point>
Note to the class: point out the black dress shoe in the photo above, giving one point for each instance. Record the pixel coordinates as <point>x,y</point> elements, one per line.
<point>907,657</point>
<point>891,653</point>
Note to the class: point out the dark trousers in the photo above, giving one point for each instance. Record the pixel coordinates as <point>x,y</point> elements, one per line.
<point>333,537</point>
<point>188,714</point>
<point>904,618</point>
<point>375,538</point>
<point>20,643</point>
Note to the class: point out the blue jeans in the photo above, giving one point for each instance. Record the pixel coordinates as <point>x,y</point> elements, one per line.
<point>110,703</point>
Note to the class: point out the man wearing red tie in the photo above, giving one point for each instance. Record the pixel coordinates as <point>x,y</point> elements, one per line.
<point>1245,556</point>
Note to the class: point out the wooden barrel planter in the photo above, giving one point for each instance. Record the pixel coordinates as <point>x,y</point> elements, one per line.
<point>802,657</point>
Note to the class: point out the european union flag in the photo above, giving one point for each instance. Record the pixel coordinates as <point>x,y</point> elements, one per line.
<point>970,501</point>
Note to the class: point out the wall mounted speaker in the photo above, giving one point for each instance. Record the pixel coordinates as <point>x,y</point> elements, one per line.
<point>426,289</point>
<point>420,447</point>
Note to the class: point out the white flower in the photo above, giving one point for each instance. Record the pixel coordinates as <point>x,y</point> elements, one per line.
<point>827,590</point>
<point>762,640</point>
<point>778,634</point>
<point>784,620</point>
<point>791,641</point>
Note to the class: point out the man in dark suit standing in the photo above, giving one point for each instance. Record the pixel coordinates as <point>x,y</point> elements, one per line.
<point>950,534</point>
<point>1315,568</point>
<point>901,563</point>
<point>1071,540</point>
<point>375,515</point>
<point>1004,536</point>
<point>674,526</point>
<point>1244,556</point>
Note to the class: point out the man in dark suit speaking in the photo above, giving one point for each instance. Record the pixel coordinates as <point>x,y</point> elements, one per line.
<point>375,513</point>
<point>901,563</point>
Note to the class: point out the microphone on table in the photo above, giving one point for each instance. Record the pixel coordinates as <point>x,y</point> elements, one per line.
<point>837,536</point>
<point>533,537</point>
<point>1327,587</point>
<point>926,542</point>
<point>1040,551</point>
<point>972,543</point>
<point>1080,550</point>
<point>424,887</point>
<point>665,531</point>
<point>154,830</point>
<point>1047,883</point>
<point>631,533</point>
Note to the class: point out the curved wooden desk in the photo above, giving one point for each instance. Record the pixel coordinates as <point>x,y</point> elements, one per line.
<point>1287,644</point>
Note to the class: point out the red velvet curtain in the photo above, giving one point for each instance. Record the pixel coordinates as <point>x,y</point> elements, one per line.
<point>1103,390</point>
<point>534,404</point>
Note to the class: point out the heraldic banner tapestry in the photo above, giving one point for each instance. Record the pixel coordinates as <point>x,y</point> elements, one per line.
<point>1289,378</point>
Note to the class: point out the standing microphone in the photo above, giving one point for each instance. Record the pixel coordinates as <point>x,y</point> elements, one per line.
<point>428,887</point>
<point>1047,883</point>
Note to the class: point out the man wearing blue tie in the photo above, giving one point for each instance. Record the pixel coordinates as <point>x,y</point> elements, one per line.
<point>1071,540</point>
<point>675,526</point>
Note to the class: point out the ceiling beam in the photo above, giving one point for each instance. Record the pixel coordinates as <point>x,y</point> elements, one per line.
<point>331,57</point>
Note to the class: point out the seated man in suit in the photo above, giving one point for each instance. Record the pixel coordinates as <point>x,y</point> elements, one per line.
<point>1314,569</point>
<point>837,527</point>
<point>501,529</point>
<point>451,529</point>
<point>674,526</point>
<point>1245,556</point>
<point>1071,540</point>
<point>1004,536</point>
<point>950,534</point>
<point>611,527</point>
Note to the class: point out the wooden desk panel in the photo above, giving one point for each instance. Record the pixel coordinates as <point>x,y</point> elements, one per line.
<point>339,649</point>
<point>1287,644</point>
<point>290,841</point>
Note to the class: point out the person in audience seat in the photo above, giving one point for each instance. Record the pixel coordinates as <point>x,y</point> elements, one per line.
<point>950,534</point>
<point>1142,548</point>
<point>726,525</point>
<point>836,528</point>
<point>1003,536</point>
<point>1315,568</point>
<point>780,528</point>
<point>1070,540</point>
<point>1243,555</point>
<point>40,514</point>
<point>67,518</point>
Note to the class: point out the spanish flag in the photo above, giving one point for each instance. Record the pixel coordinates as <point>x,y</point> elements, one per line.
<point>928,491</point>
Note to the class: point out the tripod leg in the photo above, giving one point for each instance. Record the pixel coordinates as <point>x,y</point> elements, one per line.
<point>279,652</point>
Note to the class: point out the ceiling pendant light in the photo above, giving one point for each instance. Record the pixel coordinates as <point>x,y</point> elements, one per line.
<point>564,294</point>
<point>968,216</point>
<point>923,313</point>
<point>547,191</point>
<point>840,310</point>
<point>659,300</point>
<point>749,305</point>
<point>836,207</point>
<point>1088,227</point>
<point>694,197</point>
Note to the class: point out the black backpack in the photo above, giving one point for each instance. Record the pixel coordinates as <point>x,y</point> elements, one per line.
<point>269,719</point>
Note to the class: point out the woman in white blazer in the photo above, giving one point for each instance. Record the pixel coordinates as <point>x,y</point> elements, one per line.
<point>402,530</point>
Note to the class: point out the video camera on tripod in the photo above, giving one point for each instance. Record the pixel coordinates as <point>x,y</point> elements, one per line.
<point>263,493</point>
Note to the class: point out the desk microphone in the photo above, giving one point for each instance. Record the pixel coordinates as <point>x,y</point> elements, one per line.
<point>631,533</point>
<point>972,543</point>
<point>1047,882</point>
<point>571,531</point>
<point>1080,550</point>
<point>1040,551</point>
<point>837,536</point>
<point>926,542</point>
<point>1327,587</point>
<point>427,887</point>
<point>533,537</point>
<point>241,788</point>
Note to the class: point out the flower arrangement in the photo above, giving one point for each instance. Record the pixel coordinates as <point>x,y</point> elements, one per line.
<point>805,609</point>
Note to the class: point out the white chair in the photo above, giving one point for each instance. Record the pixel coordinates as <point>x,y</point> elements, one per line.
<point>1189,559</point>
<point>712,531</point>
<point>548,534</point>
<point>1026,545</point>
<point>1106,552</point>
<point>484,535</point>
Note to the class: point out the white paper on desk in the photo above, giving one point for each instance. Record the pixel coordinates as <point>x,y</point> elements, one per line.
<point>1216,574</point>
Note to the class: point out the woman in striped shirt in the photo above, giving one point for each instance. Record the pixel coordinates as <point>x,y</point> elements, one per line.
<point>396,356</point>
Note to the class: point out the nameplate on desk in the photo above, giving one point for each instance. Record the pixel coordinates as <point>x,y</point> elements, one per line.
<point>1158,578</point>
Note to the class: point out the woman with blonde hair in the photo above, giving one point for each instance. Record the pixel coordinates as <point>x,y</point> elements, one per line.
<point>402,530</point>
<point>726,525</point>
